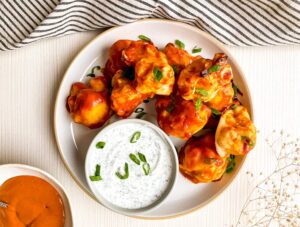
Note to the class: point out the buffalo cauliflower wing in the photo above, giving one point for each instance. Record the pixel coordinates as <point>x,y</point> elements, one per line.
<point>89,105</point>
<point>236,133</point>
<point>199,161</point>
<point>179,117</point>
<point>203,78</point>
<point>124,97</point>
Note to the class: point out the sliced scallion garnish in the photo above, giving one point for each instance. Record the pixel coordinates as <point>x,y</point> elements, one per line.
<point>135,137</point>
<point>140,115</point>
<point>157,74</point>
<point>146,168</point>
<point>100,145</point>
<point>196,50</point>
<point>97,176</point>
<point>95,68</point>
<point>214,68</point>
<point>234,106</point>
<point>144,38</point>
<point>198,104</point>
<point>179,44</point>
<point>231,164</point>
<point>126,170</point>
<point>215,112</point>
<point>142,157</point>
<point>134,158</point>
<point>235,90</point>
<point>201,91</point>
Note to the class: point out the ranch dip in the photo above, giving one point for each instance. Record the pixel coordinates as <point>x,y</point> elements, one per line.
<point>142,186</point>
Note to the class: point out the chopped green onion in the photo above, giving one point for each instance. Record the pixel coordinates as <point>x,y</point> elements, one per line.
<point>135,137</point>
<point>100,145</point>
<point>97,176</point>
<point>134,158</point>
<point>157,73</point>
<point>146,168</point>
<point>139,110</point>
<point>140,115</point>
<point>201,91</point>
<point>231,164</point>
<point>235,90</point>
<point>215,112</point>
<point>126,175</point>
<point>196,50</point>
<point>234,106</point>
<point>128,73</point>
<point>251,143</point>
<point>98,168</point>
<point>91,75</point>
<point>95,68</point>
<point>198,104</point>
<point>179,44</point>
<point>142,157</point>
<point>144,38</point>
<point>214,68</point>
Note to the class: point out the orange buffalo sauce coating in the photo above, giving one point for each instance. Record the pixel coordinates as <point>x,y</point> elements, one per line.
<point>31,202</point>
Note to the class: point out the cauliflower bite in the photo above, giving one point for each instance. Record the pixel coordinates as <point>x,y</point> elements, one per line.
<point>223,98</point>
<point>153,75</point>
<point>178,58</point>
<point>236,134</point>
<point>124,97</point>
<point>199,161</point>
<point>181,118</point>
<point>138,50</point>
<point>203,78</point>
<point>89,106</point>
<point>115,61</point>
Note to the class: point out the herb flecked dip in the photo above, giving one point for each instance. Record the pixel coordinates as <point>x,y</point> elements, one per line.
<point>136,165</point>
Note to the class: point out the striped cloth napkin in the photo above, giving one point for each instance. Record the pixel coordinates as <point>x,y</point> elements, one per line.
<point>233,22</point>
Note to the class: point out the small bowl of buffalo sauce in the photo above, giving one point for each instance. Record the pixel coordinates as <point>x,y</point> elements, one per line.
<point>32,197</point>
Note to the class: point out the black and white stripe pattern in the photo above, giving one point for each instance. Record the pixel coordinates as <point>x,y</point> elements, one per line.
<point>233,22</point>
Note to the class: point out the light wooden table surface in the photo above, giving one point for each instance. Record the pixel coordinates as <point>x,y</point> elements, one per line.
<point>29,79</point>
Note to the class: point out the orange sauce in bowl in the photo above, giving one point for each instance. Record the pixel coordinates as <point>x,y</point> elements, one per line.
<point>32,202</point>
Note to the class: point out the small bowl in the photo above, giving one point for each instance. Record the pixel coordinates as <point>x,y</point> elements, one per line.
<point>174,170</point>
<point>8,171</point>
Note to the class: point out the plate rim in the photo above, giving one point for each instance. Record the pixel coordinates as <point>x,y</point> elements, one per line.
<point>214,41</point>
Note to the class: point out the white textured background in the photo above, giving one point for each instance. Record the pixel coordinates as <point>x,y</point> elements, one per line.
<point>29,79</point>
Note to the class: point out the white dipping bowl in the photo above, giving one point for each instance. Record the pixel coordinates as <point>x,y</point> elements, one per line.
<point>8,171</point>
<point>90,166</point>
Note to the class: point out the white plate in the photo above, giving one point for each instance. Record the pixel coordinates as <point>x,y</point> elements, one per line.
<point>73,139</point>
<point>8,171</point>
